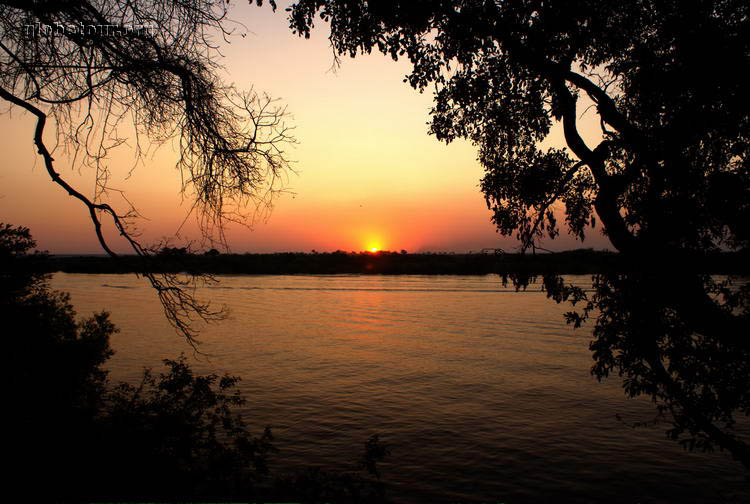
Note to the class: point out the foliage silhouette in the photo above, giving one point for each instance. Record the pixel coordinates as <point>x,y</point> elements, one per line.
<point>699,379</point>
<point>179,436</point>
<point>94,68</point>
<point>175,435</point>
<point>672,155</point>
<point>667,175</point>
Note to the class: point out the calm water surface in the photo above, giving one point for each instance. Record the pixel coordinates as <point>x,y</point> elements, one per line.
<point>482,393</point>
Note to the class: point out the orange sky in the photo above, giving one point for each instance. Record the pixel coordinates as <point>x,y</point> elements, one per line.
<point>368,173</point>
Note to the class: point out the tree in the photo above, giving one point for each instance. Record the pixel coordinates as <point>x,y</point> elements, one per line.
<point>674,119</point>
<point>70,351</point>
<point>668,177</point>
<point>93,66</point>
<point>53,364</point>
<point>178,434</point>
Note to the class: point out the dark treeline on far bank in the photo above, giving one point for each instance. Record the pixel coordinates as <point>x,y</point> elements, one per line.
<point>581,261</point>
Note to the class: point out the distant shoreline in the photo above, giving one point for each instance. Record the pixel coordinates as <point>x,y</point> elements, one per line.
<point>581,261</point>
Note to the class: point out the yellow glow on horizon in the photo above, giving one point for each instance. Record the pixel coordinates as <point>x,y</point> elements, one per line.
<point>374,245</point>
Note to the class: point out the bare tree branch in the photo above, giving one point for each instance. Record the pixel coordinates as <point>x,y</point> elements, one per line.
<point>92,67</point>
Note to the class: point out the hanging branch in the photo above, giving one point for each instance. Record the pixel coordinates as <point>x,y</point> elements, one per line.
<point>92,66</point>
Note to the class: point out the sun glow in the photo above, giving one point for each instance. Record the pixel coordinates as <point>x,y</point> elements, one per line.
<point>373,245</point>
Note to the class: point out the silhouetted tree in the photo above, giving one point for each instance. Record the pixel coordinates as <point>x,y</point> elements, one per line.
<point>53,384</point>
<point>16,282</point>
<point>179,434</point>
<point>672,157</point>
<point>95,67</point>
<point>668,176</point>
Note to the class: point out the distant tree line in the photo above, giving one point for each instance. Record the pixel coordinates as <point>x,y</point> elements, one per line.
<point>582,261</point>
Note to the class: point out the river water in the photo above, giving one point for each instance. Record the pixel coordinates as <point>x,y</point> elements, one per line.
<point>482,393</point>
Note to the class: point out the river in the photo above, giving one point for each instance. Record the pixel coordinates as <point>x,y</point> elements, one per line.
<point>482,393</point>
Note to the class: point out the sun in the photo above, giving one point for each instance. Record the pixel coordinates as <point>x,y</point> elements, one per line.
<point>373,246</point>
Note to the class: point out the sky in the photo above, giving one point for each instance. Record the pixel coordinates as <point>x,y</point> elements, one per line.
<point>366,173</point>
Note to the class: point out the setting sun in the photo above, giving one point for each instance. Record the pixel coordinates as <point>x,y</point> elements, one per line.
<point>372,243</point>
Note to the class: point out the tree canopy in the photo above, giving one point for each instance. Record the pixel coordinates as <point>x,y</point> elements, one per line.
<point>672,167</point>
